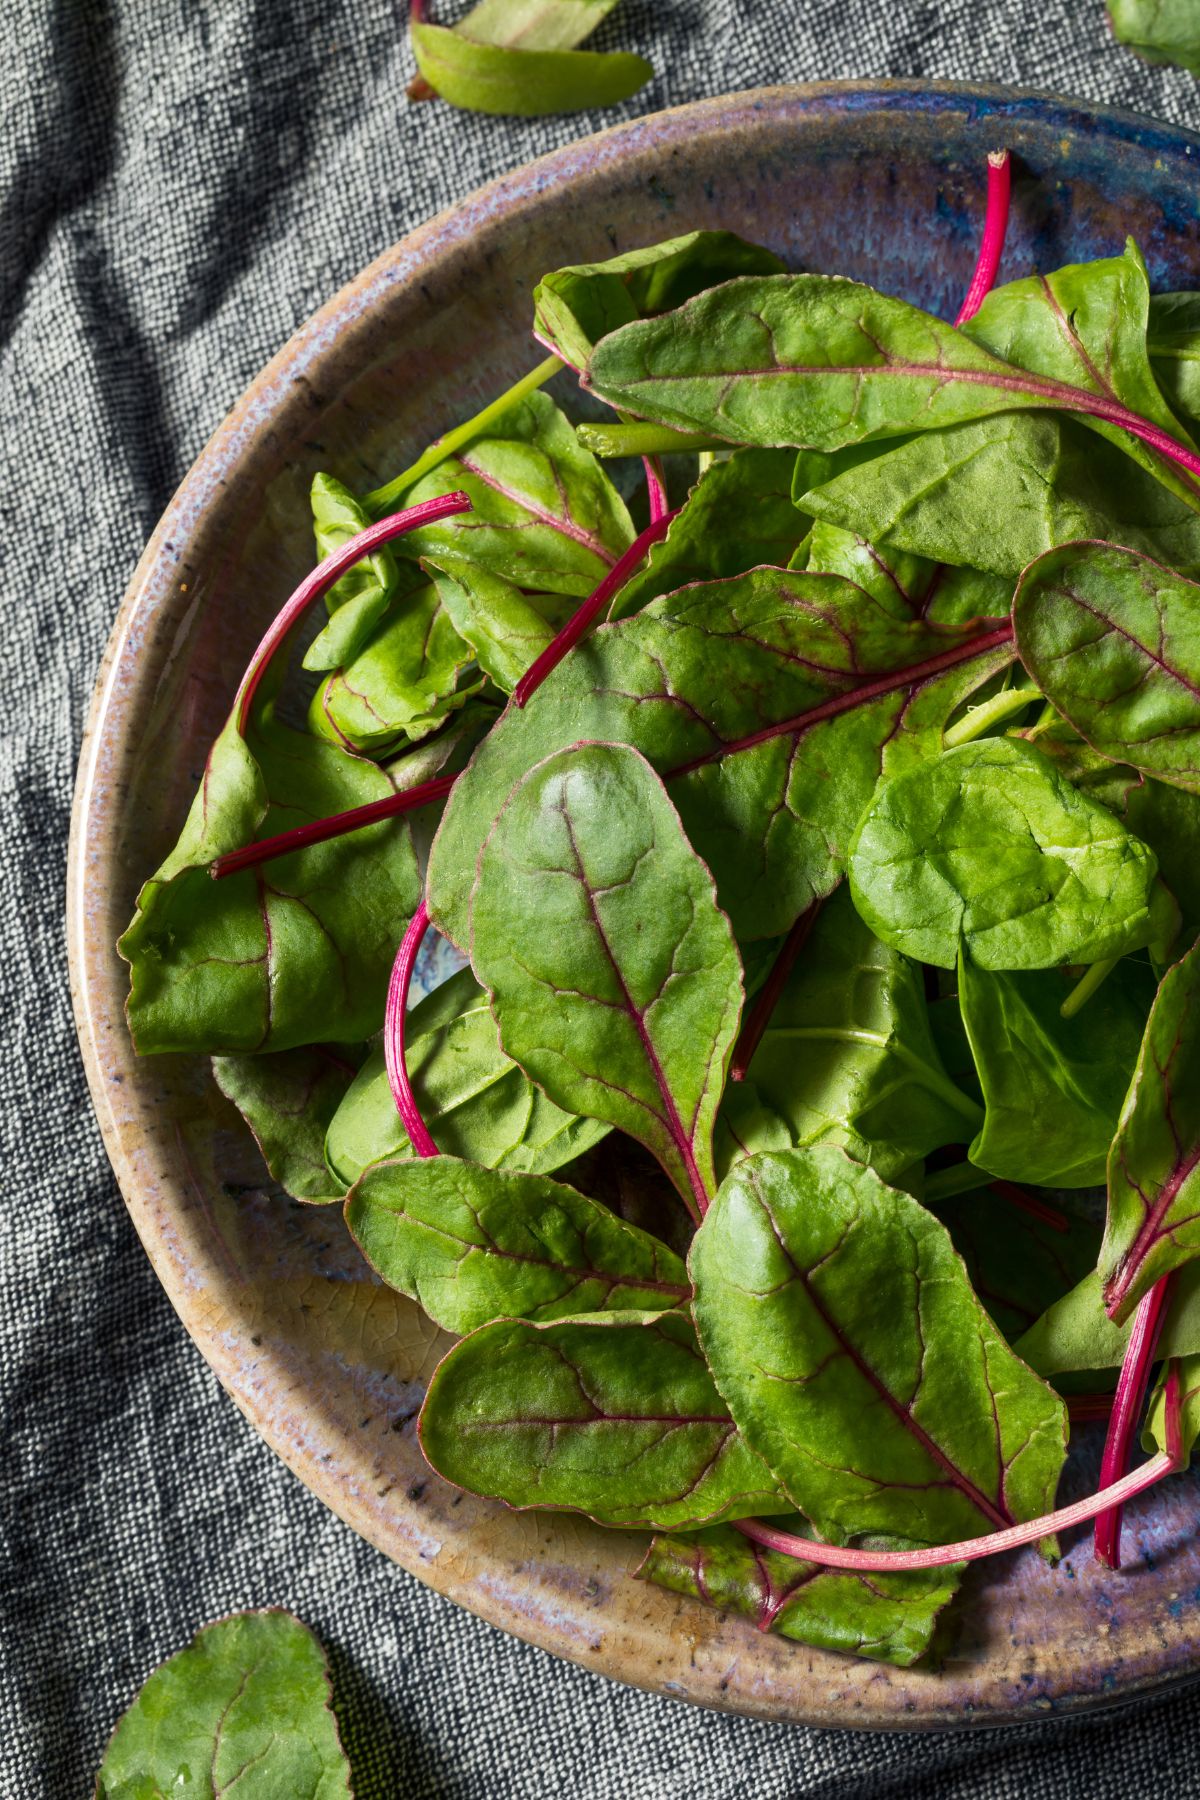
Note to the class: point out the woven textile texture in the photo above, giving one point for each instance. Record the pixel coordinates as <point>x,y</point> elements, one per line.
<point>182,182</point>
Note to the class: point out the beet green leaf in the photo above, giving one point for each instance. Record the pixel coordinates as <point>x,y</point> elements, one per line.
<point>472,1244</point>
<point>614,977</point>
<point>544,516</point>
<point>506,629</point>
<point>1053,1087</point>
<point>709,684</point>
<point>822,362</point>
<point>1076,1333</point>
<point>1153,1178</point>
<point>491,78</point>
<point>359,599</point>
<point>1085,325</point>
<point>250,1692</point>
<point>989,846</point>
<point>293,952</point>
<point>738,516</point>
<point>1113,640</point>
<point>903,583</point>
<point>615,1416</point>
<point>847,1059</point>
<point>288,1099</point>
<point>843,1333</point>
<point>476,1102</point>
<point>411,673</point>
<point>1159,30</point>
<point>574,307</point>
<point>534,24</point>
<point>1038,480</point>
<point>885,1617</point>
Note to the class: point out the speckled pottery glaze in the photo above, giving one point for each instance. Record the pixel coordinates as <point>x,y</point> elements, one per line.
<point>880,182</point>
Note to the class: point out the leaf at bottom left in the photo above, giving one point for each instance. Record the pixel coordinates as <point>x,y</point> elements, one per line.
<point>247,1702</point>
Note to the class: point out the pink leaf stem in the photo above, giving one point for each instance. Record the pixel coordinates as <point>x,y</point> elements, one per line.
<point>767,998</point>
<point>993,1543</point>
<point>656,488</point>
<point>576,626</point>
<point>329,570</point>
<point>321,830</point>
<point>1130,1397</point>
<point>393,1035</point>
<point>1084,1409</point>
<point>995,227</point>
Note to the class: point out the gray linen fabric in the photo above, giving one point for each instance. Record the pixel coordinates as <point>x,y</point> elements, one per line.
<point>182,182</point>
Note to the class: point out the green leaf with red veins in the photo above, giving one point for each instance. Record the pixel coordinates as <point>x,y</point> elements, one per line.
<point>693,677</point>
<point>989,847</point>
<point>506,629</point>
<point>470,1245</point>
<point>884,1617</point>
<point>615,980</point>
<point>288,1099</point>
<point>738,516</point>
<point>613,1415</point>
<point>533,24</point>
<point>1154,1164</point>
<point>1086,325</point>
<point>476,1102</point>
<point>359,599</point>
<point>821,362</point>
<point>545,516</point>
<point>908,586</point>
<point>1113,641</point>
<point>249,1696</point>
<point>293,952</point>
<point>574,307</point>
<point>1039,480</point>
<point>847,1058</point>
<point>413,671</point>
<point>842,1330</point>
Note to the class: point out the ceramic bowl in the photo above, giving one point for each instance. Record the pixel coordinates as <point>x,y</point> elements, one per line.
<point>880,182</point>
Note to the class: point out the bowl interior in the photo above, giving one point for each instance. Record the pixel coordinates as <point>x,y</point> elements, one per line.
<point>882,183</point>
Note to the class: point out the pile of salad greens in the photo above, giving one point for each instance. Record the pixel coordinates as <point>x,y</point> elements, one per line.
<point>826,856</point>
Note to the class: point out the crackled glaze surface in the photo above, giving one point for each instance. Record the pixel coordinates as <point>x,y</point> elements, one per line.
<point>881,182</point>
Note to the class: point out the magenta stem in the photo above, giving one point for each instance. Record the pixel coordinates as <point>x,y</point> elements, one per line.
<point>995,228</point>
<point>882,1562</point>
<point>575,627</point>
<point>656,488</point>
<point>767,998</point>
<point>1130,1397</point>
<point>393,1035</point>
<point>322,578</point>
<point>300,837</point>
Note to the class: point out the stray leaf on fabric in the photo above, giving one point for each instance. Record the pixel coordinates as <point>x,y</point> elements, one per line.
<point>245,1707</point>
